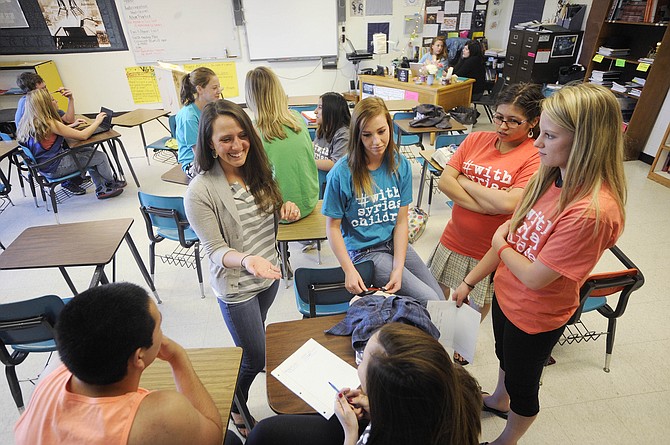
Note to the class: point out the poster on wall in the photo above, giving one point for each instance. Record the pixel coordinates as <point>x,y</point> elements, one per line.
<point>75,25</point>
<point>11,15</point>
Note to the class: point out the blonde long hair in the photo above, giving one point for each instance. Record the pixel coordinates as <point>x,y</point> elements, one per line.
<point>365,110</point>
<point>39,114</point>
<point>266,98</point>
<point>591,112</point>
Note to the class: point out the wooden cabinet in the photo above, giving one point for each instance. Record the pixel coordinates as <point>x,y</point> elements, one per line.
<point>536,56</point>
<point>10,70</point>
<point>640,37</point>
<point>660,169</point>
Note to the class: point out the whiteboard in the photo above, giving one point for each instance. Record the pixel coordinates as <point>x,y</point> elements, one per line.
<point>178,30</point>
<point>290,29</point>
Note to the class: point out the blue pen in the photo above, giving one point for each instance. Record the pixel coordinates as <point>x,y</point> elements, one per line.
<point>334,387</point>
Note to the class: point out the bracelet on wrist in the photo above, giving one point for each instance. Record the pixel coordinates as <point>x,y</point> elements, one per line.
<point>503,247</point>
<point>470,286</point>
<point>242,260</point>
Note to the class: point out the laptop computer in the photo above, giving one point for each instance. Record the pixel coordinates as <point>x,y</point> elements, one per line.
<point>415,67</point>
<point>355,54</point>
<point>106,123</point>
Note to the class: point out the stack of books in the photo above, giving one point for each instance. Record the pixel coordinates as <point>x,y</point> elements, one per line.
<point>613,52</point>
<point>604,77</point>
<point>633,88</point>
<point>646,60</point>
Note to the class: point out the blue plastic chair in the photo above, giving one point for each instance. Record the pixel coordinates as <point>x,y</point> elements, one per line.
<point>26,326</point>
<point>159,145</point>
<point>406,140</point>
<point>442,140</point>
<point>167,215</point>
<point>321,292</point>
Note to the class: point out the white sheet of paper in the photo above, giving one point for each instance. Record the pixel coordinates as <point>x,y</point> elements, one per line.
<point>466,20</point>
<point>307,373</point>
<point>430,29</point>
<point>451,7</point>
<point>459,327</point>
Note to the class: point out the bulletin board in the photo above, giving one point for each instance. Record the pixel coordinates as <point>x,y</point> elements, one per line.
<point>455,18</point>
<point>178,30</point>
<point>290,29</point>
<point>81,26</point>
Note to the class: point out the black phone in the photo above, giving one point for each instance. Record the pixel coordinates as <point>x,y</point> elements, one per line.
<point>371,290</point>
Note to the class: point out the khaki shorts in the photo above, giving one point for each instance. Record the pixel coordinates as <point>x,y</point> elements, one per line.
<point>449,268</point>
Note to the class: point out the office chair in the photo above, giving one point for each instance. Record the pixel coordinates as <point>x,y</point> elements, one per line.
<point>488,101</point>
<point>442,140</point>
<point>321,292</point>
<point>45,182</point>
<point>167,215</point>
<point>159,146</point>
<point>593,296</point>
<point>26,326</point>
<point>406,140</point>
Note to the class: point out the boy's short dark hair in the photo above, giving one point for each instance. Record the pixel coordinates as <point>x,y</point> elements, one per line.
<point>99,330</point>
<point>28,81</point>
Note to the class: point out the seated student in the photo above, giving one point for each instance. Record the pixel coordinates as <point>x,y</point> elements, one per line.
<point>437,53</point>
<point>29,81</point>
<point>472,65</point>
<point>410,392</point>
<point>43,131</point>
<point>94,396</point>
<point>198,88</point>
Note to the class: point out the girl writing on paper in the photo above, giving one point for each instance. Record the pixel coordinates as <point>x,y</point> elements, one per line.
<point>571,211</point>
<point>232,204</point>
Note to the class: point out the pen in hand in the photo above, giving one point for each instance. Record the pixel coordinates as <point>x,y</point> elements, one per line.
<point>334,387</point>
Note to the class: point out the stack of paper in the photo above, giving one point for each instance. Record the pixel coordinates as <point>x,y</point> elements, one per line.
<point>604,77</point>
<point>310,116</point>
<point>613,52</point>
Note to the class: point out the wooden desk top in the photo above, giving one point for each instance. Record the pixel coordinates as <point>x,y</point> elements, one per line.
<point>303,100</point>
<point>95,139</point>
<point>312,227</point>
<point>395,83</point>
<point>217,369</point>
<point>7,147</point>
<point>428,156</point>
<point>176,175</point>
<point>401,105</point>
<point>403,124</point>
<point>63,245</point>
<point>283,339</point>
<point>138,117</point>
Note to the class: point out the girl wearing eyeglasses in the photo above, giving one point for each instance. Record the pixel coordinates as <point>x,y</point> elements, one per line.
<point>485,179</point>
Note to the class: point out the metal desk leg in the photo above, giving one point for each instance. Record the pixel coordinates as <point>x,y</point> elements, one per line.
<point>144,144</point>
<point>140,264</point>
<point>120,175</point>
<point>283,256</point>
<point>69,282</point>
<point>125,155</point>
<point>241,405</point>
<point>422,181</point>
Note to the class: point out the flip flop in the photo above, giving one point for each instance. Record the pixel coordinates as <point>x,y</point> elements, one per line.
<point>497,412</point>
<point>460,360</point>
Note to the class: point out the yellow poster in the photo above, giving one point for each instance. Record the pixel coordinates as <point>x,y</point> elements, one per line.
<point>143,85</point>
<point>226,73</point>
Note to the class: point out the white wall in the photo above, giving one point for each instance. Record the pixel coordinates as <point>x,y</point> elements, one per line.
<point>660,126</point>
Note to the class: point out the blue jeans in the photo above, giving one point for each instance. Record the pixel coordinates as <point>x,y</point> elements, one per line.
<point>417,281</point>
<point>246,323</point>
<point>99,168</point>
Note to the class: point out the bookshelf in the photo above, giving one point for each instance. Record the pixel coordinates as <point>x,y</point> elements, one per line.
<point>659,171</point>
<point>640,37</point>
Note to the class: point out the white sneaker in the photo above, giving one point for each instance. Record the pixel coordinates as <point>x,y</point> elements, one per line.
<point>308,247</point>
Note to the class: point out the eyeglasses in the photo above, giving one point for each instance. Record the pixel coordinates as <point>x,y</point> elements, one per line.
<point>511,123</point>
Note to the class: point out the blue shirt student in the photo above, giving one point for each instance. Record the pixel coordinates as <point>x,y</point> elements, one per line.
<point>187,119</point>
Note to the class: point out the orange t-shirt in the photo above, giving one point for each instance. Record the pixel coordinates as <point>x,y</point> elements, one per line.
<point>469,233</point>
<point>56,415</point>
<point>565,243</point>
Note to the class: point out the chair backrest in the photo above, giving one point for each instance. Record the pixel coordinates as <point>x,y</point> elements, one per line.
<point>321,292</point>
<point>600,285</point>
<point>497,87</point>
<point>5,137</point>
<point>163,212</point>
<point>444,140</point>
<point>28,157</point>
<point>29,321</point>
<point>172,122</point>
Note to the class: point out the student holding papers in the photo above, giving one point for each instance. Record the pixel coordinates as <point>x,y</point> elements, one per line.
<point>410,392</point>
<point>571,211</point>
<point>232,204</point>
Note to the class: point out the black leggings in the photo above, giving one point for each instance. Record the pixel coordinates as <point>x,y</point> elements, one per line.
<point>299,429</point>
<point>522,356</point>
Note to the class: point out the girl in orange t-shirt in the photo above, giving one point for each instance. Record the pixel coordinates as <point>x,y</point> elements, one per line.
<point>570,213</point>
<point>485,178</point>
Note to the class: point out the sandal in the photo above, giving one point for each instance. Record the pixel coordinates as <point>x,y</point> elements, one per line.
<point>458,358</point>
<point>488,409</point>
<point>241,426</point>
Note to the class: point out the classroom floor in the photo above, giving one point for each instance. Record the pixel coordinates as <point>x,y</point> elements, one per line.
<point>581,404</point>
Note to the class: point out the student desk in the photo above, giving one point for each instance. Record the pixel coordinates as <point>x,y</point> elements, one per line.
<point>283,339</point>
<point>89,243</point>
<point>137,118</point>
<point>9,149</point>
<point>447,96</point>
<point>427,155</point>
<point>176,175</point>
<point>111,137</point>
<point>217,369</point>
<point>303,100</point>
<point>312,227</point>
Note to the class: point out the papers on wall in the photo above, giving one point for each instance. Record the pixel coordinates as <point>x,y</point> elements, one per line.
<point>458,327</point>
<point>451,7</point>
<point>379,43</point>
<point>143,84</point>
<point>309,372</point>
<point>466,20</point>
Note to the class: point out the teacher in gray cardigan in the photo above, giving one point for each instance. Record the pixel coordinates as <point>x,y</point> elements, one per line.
<point>233,204</point>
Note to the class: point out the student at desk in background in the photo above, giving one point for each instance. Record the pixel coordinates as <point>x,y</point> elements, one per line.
<point>198,88</point>
<point>94,396</point>
<point>332,134</point>
<point>438,52</point>
<point>43,132</point>
<point>472,65</point>
<point>29,81</point>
